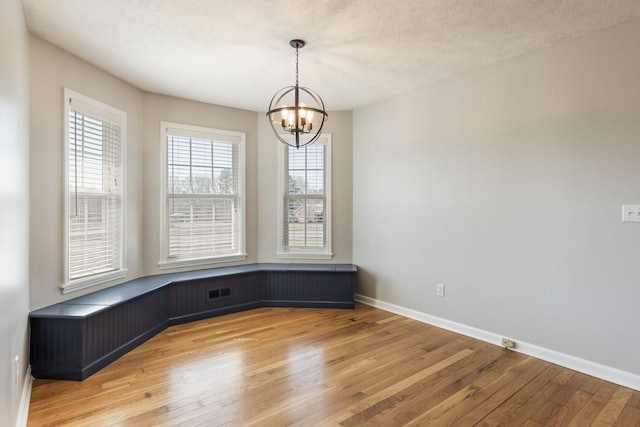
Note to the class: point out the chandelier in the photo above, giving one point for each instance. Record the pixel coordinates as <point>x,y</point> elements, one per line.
<point>298,111</point>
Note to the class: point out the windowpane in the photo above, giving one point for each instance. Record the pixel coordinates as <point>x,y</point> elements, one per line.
<point>315,157</point>
<point>179,180</point>
<point>305,224</point>
<point>315,182</point>
<point>225,182</point>
<point>201,226</point>
<point>179,153</point>
<point>201,154</point>
<point>297,182</point>
<point>203,216</point>
<point>201,180</point>
<point>94,204</point>
<point>297,159</point>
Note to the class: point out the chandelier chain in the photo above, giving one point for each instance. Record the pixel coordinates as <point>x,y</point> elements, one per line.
<point>296,66</point>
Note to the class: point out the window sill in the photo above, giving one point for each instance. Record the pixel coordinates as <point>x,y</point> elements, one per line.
<point>198,262</point>
<point>304,255</point>
<point>98,279</point>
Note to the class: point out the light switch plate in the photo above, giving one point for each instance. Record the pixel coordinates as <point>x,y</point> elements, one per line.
<point>630,213</point>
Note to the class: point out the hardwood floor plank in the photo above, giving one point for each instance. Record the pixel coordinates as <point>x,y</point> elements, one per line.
<point>499,391</point>
<point>545,412</point>
<point>592,408</point>
<point>354,412</point>
<point>526,400</point>
<point>613,408</point>
<point>635,400</point>
<point>570,409</point>
<point>629,417</point>
<point>591,385</point>
<point>305,367</point>
<point>422,398</point>
<point>549,408</point>
<point>564,393</point>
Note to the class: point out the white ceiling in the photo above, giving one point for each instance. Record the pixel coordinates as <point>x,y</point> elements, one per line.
<point>236,52</point>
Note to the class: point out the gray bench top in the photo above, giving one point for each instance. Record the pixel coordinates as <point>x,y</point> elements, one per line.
<point>95,302</point>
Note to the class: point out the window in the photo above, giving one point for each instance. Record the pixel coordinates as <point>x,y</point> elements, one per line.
<point>203,196</point>
<point>305,200</point>
<point>95,136</point>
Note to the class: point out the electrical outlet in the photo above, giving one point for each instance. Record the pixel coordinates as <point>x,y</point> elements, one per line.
<point>630,213</point>
<point>508,344</point>
<point>440,290</point>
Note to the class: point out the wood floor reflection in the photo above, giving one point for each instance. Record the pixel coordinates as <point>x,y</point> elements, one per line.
<point>276,367</point>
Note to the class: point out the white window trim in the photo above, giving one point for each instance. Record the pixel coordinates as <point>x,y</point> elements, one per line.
<point>165,263</point>
<point>107,113</point>
<point>310,254</point>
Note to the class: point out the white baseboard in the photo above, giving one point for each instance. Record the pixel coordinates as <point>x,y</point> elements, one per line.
<point>25,399</point>
<point>588,367</point>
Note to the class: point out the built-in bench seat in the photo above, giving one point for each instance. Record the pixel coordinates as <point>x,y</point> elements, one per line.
<point>76,338</point>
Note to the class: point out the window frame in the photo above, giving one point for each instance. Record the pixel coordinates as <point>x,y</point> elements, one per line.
<point>100,111</point>
<point>284,252</point>
<point>165,262</point>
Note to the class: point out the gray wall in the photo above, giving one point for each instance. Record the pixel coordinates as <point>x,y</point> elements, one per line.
<point>52,70</point>
<point>339,125</point>
<point>159,108</point>
<point>14,205</point>
<point>506,185</point>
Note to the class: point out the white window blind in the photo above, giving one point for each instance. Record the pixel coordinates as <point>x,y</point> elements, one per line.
<point>305,198</point>
<point>203,193</point>
<point>94,191</point>
<point>306,207</point>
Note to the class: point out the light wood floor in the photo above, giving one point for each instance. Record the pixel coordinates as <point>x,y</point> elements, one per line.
<point>306,367</point>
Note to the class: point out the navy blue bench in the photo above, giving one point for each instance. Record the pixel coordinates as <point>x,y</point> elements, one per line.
<point>74,339</point>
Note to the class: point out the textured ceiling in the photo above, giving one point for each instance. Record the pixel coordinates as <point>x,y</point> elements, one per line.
<point>237,53</point>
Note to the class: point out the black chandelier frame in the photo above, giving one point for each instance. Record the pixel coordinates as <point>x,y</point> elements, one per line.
<point>299,126</point>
